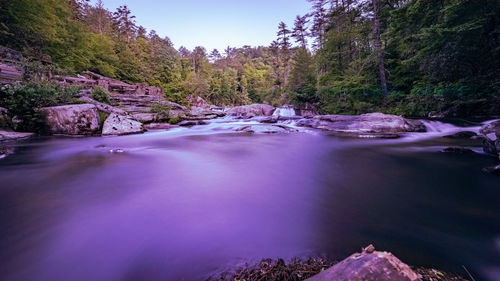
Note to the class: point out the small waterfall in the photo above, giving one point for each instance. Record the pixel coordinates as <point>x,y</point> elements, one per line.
<point>284,112</point>
<point>440,127</point>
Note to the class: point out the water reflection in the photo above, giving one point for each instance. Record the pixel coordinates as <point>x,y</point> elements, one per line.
<point>179,207</point>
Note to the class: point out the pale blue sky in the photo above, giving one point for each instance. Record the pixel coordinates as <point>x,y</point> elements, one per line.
<point>214,23</point>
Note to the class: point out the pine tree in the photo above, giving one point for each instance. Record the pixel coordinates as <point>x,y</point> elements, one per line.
<point>300,31</point>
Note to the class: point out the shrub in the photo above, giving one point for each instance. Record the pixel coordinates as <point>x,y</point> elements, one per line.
<point>101,95</point>
<point>23,101</point>
<point>174,121</point>
<point>102,117</point>
<point>162,110</point>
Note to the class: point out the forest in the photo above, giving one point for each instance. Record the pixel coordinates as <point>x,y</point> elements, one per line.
<point>410,57</point>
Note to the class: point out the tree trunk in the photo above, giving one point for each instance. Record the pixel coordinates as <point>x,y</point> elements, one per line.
<point>378,47</point>
<point>285,73</point>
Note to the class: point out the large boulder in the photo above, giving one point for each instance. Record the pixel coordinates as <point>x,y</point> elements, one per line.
<point>121,125</point>
<point>491,137</point>
<point>370,265</point>
<point>74,119</point>
<point>365,125</point>
<point>199,113</point>
<point>251,110</point>
<point>197,101</point>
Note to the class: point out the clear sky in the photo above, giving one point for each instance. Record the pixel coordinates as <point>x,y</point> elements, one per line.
<point>214,23</point>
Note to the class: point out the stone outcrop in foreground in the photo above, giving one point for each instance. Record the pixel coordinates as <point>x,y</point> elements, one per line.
<point>251,110</point>
<point>121,125</point>
<point>370,265</point>
<point>74,119</point>
<point>365,125</point>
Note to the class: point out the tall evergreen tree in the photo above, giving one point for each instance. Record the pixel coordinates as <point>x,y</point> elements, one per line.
<point>378,47</point>
<point>300,31</point>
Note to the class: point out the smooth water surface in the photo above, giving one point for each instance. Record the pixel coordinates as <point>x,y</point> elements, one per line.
<point>185,204</point>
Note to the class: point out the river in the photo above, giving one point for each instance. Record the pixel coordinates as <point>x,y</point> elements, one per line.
<point>187,203</point>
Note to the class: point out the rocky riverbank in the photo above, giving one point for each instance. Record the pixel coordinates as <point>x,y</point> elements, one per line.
<point>367,265</point>
<point>137,113</point>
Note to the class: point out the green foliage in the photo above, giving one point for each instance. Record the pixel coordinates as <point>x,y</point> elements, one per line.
<point>458,101</point>
<point>162,110</point>
<point>174,120</point>
<point>448,50</point>
<point>455,43</point>
<point>102,117</point>
<point>302,79</point>
<point>23,102</point>
<point>101,95</point>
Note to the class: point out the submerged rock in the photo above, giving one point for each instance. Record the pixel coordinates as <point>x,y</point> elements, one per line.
<point>120,125</point>
<point>266,129</point>
<point>4,151</point>
<point>365,125</point>
<point>270,120</point>
<point>456,149</point>
<point>495,170</point>
<point>74,119</point>
<point>189,123</point>
<point>370,265</point>
<point>251,110</point>
<point>462,135</point>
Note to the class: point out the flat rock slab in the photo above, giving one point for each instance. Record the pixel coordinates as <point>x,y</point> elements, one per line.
<point>73,119</point>
<point>251,110</point>
<point>120,125</point>
<point>365,125</point>
<point>160,126</point>
<point>103,107</point>
<point>368,267</point>
<point>10,136</point>
<point>144,117</point>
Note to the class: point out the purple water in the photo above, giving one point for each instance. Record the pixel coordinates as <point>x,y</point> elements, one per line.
<point>181,206</point>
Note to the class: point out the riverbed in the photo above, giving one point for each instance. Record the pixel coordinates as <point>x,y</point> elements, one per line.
<point>187,203</point>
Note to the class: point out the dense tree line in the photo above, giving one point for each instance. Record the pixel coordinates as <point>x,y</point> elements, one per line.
<point>345,56</point>
<point>409,47</point>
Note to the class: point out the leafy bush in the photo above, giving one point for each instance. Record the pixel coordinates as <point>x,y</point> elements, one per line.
<point>174,120</point>
<point>102,117</point>
<point>23,102</point>
<point>101,95</point>
<point>162,110</point>
<point>451,101</point>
